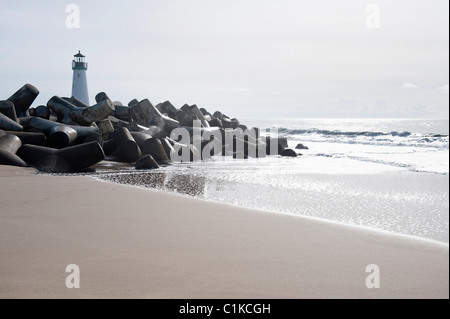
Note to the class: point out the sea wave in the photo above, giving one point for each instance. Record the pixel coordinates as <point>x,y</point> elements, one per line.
<point>394,138</point>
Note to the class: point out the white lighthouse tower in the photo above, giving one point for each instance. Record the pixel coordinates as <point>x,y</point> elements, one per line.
<point>79,82</point>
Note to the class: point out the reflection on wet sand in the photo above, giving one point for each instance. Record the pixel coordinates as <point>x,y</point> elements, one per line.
<point>182,183</point>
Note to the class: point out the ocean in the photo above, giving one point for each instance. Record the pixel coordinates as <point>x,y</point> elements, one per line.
<point>389,175</point>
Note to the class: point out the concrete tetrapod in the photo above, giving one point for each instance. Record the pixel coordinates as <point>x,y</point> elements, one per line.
<point>23,99</point>
<point>7,108</point>
<point>67,160</point>
<point>9,144</point>
<point>127,150</point>
<point>154,147</point>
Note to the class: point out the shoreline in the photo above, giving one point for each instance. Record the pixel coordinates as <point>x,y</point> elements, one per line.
<point>313,218</point>
<point>132,242</point>
<point>314,195</point>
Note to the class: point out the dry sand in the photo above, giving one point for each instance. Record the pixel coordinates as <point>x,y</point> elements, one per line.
<point>136,243</point>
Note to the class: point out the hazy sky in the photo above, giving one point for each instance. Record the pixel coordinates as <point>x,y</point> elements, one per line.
<point>275,58</point>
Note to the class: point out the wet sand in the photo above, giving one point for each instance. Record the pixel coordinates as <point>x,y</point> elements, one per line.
<point>137,243</point>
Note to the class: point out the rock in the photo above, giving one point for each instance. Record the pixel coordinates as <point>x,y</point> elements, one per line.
<point>9,144</point>
<point>77,102</point>
<point>109,147</point>
<point>226,122</point>
<point>185,117</point>
<point>168,148</point>
<point>218,115</point>
<point>154,147</point>
<point>101,97</point>
<point>23,99</point>
<point>105,127</point>
<point>234,123</point>
<point>194,110</point>
<point>82,156</point>
<point>9,125</point>
<point>41,111</point>
<point>144,113</point>
<point>169,109</point>
<point>274,146</point>
<point>122,113</point>
<point>300,146</point>
<point>68,113</point>
<point>140,138</point>
<point>68,160</point>
<point>7,108</point>
<point>216,123</point>
<point>288,152</point>
<point>205,113</point>
<point>146,162</point>
<point>127,149</point>
<point>133,102</point>
<point>30,138</point>
<point>58,135</point>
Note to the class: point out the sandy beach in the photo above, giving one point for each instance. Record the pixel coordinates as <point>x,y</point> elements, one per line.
<point>137,243</point>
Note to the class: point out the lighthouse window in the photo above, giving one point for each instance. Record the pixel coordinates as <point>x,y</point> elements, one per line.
<point>78,74</point>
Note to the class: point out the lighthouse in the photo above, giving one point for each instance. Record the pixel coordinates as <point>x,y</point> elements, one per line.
<point>79,81</point>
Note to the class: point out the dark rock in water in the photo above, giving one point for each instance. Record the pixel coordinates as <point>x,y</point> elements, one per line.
<point>154,147</point>
<point>146,162</point>
<point>9,125</point>
<point>288,152</point>
<point>41,111</point>
<point>283,141</point>
<point>300,146</point>
<point>274,146</point>
<point>30,137</point>
<point>7,108</point>
<point>128,151</point>
<point>23,99</point>
<point>9,144</point>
